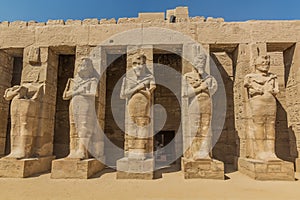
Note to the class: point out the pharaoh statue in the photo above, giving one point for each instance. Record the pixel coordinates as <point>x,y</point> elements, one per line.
<point>137,88</point>
<point>262,88</point>
<point>199,87</point>
<point>82,91</point>
<point>25,110</point>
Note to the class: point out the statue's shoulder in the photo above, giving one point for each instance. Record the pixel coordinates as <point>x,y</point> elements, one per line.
<point>252,77</point>
<point>190,75</point>
<point>271,75</point>
<point>94,79</point>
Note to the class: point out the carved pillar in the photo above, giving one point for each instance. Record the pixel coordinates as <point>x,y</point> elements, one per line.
<point>79,166</point>
<point>6,68</point>
<point>242,67</point>
<point>260,169</point>
<point>197,130</point>
<point>35,139</point>
<point>292,62</point>
<point>138,162</point>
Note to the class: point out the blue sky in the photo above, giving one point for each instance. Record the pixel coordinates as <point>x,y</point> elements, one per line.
<point>231,10</point>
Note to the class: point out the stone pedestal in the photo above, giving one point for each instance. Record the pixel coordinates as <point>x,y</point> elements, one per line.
<point>75,168</point>
<point>14,168</point>
<point>267,170</point>
<point>205,169</point>
<point>135,169</point>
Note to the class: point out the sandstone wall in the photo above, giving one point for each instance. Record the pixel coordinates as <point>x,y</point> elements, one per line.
<point>232,44</point>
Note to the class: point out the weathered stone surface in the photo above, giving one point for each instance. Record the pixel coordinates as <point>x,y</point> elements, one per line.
<point>82,91</point>
<point>151,17</point>
<point>13,168</point>
<point>75,168</point>
<point>211,19</point>
<point>108,21</point>
<point>297,164</point>
<point>267,170</point>
<point>203,168</point>
<point>34,23</point>
<point>135,169</point>
<point>73,22</point>
<point>19,24</point>
<point>234,46</point>
<point>94,21</point>
<point>55,22</point>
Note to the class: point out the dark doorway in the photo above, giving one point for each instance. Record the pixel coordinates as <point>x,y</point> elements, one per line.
<point>62,126</point>
<point>164,147</point>
<point>16,80</point>
<point>114,140</point>
<point>167,95</point>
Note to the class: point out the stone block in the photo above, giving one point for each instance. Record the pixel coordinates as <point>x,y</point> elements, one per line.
<point>152,16</point>
<point>33,55</point>
<point>108,21</point>
<point>267,170</point>
<point>93,21</point>
<point>211,19</point>
<point>2,145</point>
<point>14,168</point>
<point>197,19</point>
<point>4,24</point>
<point>75,169</point>
<point>170,13</point>
<point>135,169</point>
<point>34,23</point>
<point>55,22</point>
<point>73,22</point>
<point>125,20</point>
<point>203,169</point>
<point>19,24</point>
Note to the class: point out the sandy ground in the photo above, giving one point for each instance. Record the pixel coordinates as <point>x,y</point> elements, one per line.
<point>171,186</point>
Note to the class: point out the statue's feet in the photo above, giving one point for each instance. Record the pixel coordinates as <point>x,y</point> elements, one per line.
<point>77,155</point>
<point>201,157</point>
<point>16,155</point>
<point>267,156</point>
<point>271,156</point>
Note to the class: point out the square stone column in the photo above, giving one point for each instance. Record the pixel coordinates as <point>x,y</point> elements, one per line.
<point>6,70</point>
<point>38,67</point>
<point>130,167</point>
<point>203,168</point>
<point>242,57</point>
<point>257,169</point>
<point>73,168</point>
<point>292,59</point>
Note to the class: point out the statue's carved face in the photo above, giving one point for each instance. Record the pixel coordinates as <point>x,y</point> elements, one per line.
<point>137,65</point>
<point>263,63</point>
<point>84,70</point>
<point>199,64</point>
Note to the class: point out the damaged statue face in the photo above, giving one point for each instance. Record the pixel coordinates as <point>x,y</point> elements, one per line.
<point>200,63</point>
<point>262,63</point>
